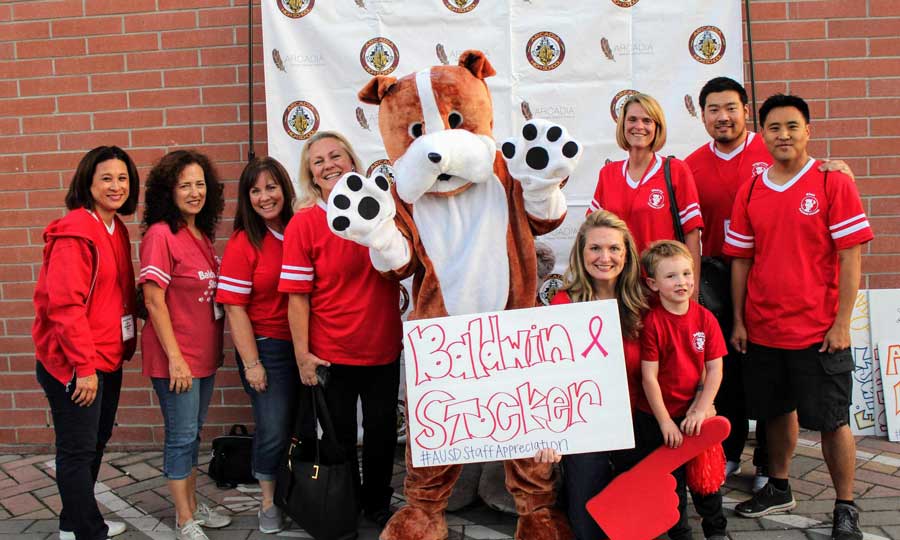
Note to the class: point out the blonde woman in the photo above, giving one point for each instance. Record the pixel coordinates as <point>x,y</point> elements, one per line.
<point>344,317</point>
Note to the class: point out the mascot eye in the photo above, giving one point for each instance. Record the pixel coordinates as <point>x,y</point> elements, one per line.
<point>455,119</point>
<point>415,130</point>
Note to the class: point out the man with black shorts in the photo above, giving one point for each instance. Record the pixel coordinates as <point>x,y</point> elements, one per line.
<point>796,236</point>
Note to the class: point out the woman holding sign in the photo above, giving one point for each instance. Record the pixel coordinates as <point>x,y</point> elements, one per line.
<point>603,265</point>
<point>345,321</point>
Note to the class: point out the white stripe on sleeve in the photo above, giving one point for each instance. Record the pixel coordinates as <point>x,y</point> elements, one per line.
<point>231,288</point>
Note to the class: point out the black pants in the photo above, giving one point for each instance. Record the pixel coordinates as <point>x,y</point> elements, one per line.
<point>731,403</point>
<point>377,388</point>
<point>647,438</point>
<point>584,476</point>
<point>81,436</point>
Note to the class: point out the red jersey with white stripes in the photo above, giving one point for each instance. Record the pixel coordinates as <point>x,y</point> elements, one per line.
<point>354,312</point>
<point>793,233</point>
<point>186,268</point>
<point>644,204</point>
<point>249,277</point>
<point>718,177</point>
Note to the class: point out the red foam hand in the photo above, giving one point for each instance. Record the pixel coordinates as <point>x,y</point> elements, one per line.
<point>641,504</point>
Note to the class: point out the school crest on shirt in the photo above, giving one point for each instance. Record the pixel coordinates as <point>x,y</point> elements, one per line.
<point>698,340</point>
<point>758,168</point>
<point>656,199</point>
<point>809,205</point>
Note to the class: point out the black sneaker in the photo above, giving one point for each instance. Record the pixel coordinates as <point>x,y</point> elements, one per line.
<point>768,500</point>
<point>846,523</point>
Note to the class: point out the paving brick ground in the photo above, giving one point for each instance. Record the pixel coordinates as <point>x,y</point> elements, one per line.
<point>132,489</point>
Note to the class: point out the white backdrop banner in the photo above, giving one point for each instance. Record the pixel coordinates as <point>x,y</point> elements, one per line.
<point>571,62</point>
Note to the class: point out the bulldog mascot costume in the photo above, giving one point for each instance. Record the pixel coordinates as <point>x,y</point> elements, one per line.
<point>461,220</point>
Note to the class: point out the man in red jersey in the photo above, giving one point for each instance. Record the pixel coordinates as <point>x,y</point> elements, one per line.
<point>796,235</point>
<point>732,157</point>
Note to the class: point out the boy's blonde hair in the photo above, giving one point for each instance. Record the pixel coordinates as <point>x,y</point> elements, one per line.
<point>662,249</point>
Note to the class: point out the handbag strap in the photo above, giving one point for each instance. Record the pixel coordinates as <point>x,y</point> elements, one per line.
<point>320,416</point>
<point>673,204</point>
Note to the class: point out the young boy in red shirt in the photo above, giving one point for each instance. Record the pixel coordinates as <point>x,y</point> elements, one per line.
<point>679,342</point>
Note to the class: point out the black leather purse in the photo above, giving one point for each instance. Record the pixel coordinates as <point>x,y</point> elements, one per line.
<point>715,275</point>
<point>316,484</point>
<point>231,458</point>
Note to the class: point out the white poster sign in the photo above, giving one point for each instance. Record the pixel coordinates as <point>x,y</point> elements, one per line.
<point>503,385</point>
<point>867,406</point>
<point>884,314</point>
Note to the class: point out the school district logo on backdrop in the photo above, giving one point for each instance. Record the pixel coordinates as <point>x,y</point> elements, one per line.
<point>300,120</point>
<point>461,6</point>
<point>545,51</point>
<point>615,106</point>
<point>707,44</point>
<point>379,56</point>
<point>383,167</point>
<point>296,8</point>
<point>625,3</point>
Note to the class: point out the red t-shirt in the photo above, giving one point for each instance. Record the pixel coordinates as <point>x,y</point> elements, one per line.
<point>249,277</point>
<point>682,344</point>
<point>185,268</point>
<point>632,350</point>
<point>718,177</point>
<point>354,311</point>
<point>793,233</point>
<point>644,204</point>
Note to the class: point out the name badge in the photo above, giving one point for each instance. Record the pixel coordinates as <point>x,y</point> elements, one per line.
<point>218,310</point>
<point>127,327</point>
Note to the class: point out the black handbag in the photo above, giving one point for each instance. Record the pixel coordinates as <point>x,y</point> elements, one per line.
<point>316,484</point>
<point>232,456</point>
<point>715,276</point>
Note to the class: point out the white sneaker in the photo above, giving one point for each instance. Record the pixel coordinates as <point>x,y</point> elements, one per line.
<point>732,468</point>
<point>115,528</point>
<point>190,531</point>
<point>760,479</point>
<point>205,517</point>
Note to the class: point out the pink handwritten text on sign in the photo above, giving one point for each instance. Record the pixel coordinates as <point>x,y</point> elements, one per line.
<point>518,380</point>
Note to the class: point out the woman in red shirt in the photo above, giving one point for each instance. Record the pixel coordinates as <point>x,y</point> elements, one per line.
<point>181,342</point>
<point>84,328</point>
<point>257,316</point>
<point>603,265</point>
<point>345,316</point>
<point>635,189</point>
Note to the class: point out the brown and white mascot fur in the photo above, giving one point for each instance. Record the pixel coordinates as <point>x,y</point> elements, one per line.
<point>462,220</point>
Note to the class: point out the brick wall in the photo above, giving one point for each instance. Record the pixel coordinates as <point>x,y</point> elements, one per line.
<point>154,75</point>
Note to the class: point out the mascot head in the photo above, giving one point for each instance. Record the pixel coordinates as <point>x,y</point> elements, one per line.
<point>437,126</point>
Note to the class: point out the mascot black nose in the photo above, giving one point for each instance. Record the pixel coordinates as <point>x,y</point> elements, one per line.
<point>434,157</point>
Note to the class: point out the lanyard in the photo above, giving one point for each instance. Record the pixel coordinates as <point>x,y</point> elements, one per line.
<point>205,248</point>
<point>125,285</point>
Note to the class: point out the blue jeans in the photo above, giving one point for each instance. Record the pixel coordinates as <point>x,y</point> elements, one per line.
<point>274,409</point>
<point>584,475</point>
<point>183,415</point>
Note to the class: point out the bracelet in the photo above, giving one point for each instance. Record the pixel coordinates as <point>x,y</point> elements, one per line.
<point>251,366</point>
<point>699,386</point>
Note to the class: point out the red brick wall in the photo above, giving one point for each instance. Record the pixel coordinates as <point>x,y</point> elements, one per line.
<point>154,75</point>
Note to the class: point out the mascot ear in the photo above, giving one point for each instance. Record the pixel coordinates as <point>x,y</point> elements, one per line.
<point>477,63</point>
<point>373,92</point>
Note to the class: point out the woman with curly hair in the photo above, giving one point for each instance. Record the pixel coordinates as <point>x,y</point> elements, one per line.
<point>182,339</point>
<point>603,265</point>
<point>257,316</point>
<point>84,329</point>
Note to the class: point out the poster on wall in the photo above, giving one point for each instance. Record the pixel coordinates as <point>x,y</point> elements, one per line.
<point>884,314</point>
<point>573,64</point>
<point>503,385</point>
